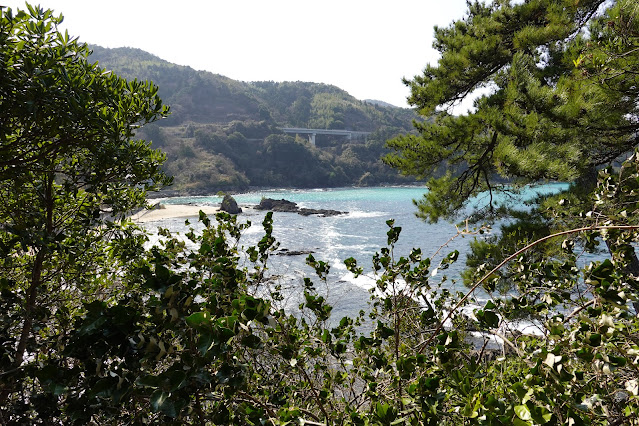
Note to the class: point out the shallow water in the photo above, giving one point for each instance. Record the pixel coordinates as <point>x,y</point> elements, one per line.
<point>358,234</point>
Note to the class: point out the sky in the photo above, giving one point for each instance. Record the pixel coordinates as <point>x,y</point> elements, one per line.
<point>363,47</point>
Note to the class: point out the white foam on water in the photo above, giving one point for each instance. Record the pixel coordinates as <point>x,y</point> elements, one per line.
<point>363,214</point>
<point>481,340</point>
<point>531,328</point>
<point>368,281</point>
<point>158,200</point>
<point>526,327</point>
<point>355,248</point>
<point>337,265</point>
<point>364,281</point>
<point>254,229</point>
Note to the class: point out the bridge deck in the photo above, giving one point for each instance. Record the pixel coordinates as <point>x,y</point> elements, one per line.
<point>300,131</point>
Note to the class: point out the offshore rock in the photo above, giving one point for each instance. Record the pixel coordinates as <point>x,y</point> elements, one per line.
<point>320,212</point>
<point>291,207</point>
<point>229,205</point>
<point>287,252</point>
<point>277,205</point>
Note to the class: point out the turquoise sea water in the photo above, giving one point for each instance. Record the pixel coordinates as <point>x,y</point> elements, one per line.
<point>358,234</point>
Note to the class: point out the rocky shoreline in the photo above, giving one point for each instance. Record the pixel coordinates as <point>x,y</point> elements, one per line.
<point>160,211</point>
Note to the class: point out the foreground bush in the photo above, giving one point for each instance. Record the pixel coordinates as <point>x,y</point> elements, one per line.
<point>191,342</point>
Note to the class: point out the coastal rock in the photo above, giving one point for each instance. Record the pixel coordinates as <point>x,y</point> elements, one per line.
<point>320,212</point>
<point>291,207</point>
<point>287,252</point>
<point>229,205</point>
<point>277,205</point>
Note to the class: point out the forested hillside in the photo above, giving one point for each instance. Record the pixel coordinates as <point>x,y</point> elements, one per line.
<point>224,134</point>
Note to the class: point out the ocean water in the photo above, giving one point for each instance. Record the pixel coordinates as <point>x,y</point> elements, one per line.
<point>359,234</point>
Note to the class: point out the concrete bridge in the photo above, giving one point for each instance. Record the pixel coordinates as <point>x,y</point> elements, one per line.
<point>313,132</point>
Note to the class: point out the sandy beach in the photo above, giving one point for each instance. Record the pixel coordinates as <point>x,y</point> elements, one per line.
<point>171,211</point>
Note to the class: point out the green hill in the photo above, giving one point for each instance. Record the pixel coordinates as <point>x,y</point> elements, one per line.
<point>225,134</point>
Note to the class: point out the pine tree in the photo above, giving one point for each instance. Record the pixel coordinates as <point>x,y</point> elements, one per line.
<point>561,102</point>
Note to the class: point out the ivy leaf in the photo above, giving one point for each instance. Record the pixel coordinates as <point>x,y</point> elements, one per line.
<point>551,360</point>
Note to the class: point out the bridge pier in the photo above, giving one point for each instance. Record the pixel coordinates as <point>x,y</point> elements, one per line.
<point>311,138</point>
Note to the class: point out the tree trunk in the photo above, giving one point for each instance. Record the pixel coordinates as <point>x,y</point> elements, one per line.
<point>36,274</point>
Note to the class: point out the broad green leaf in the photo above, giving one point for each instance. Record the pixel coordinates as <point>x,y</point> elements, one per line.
<point>541,415</point>
<point>102,388</point>
<point>252,341</point>
<point>523,412</point>
<point>594,339</point>
<point>158,399</point>
<point>198,318</point>
<point>488,318</point>
<point>205,341</point>
<point>174,379</point>
<point>148,381</point>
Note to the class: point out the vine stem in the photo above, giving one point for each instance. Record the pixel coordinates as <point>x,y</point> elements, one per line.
<point>425,344</point>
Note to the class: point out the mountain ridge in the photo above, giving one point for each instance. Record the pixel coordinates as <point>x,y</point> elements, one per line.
<point>224,134</point>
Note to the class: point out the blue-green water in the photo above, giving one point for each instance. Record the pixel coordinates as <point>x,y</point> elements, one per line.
<point>358,234</point>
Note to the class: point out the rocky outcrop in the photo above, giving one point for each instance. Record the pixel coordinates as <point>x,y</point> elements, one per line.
<point>291,207</point>
<point>287,252</point>
<point>229,205</point>
<point>320,212</point>
<point>277,205</point>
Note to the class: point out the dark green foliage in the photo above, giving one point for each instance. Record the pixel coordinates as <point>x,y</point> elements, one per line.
<point>553,110</point>
<point>70,171</point>
<point>560,103</point>
<point>191,342</point>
